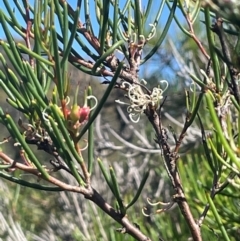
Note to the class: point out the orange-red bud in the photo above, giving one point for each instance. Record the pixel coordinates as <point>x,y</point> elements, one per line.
<point>84,114</point>
<point>66,112</point>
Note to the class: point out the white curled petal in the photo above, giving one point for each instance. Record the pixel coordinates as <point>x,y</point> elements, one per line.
<point>124,83</point>
<point>129,109</point>
<point>67,100</point>
<point>45,116</point>
<point>121,102</point>
<point>138,109</point>
<point>142,38</point>
<point>153,31</point>
<point>17,144</point>
<point>96,101</point>
<point>164,82</point>
<point>147,97</point>
<point>131,117</point>
<point>84,148</point>
<point>143,81</point>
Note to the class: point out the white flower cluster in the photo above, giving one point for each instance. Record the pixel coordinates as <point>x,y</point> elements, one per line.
<point>140,100</point>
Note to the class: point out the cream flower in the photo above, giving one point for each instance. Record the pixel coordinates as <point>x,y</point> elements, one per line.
<point>139,101</point>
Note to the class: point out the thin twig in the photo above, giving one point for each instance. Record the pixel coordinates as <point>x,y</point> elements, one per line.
<point>170,159</point>
<point>89,193</point>
<point>194,37</point>
<point>218,29</point>
<point>28,34</point>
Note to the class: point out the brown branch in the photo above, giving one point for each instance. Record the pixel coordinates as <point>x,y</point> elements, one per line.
<point>104,72</point>
<point>86,174</point>
<point>135,53</point>
<point>28,34</point>
<point>193,35</point>
<point>170,159</point>
<point>182,135</point>
<point>123,220</point>
<point>89,193</point>
<point>218,29</point>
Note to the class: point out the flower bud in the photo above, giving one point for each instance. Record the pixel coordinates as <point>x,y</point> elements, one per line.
<point>75,113</point>
<point>84,114</point>
<point>66,112</point>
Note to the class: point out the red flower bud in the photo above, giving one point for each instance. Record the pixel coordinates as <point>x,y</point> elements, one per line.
<point>84,114</point>
<point>66,112</point>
